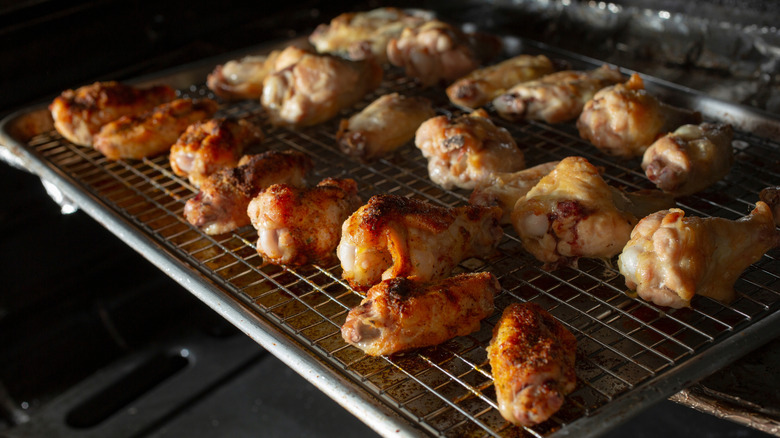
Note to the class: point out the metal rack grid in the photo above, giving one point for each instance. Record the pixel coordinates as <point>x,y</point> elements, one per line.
<point>624,344</point>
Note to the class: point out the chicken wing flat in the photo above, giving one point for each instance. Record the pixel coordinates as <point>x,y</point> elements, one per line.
<point>504,189</point>
<point>359,35</point>
<point>481,86</point>
<point>624,120</point>
<point>316,87</point>
<point>437,51</point>
<point>400,314</point>
<point>465,150</point>
<point>383,126</point>
<point>221,205</point>
<point>79,114</point>
<point>297,226</point>
<point>670,257</point>
<point>690,159</point>
<point>569,214</point>
<point>153,132</point>
<point>555,98</point>
<point>532,357</point>
<point>394,236</point>
<point>209,145</point>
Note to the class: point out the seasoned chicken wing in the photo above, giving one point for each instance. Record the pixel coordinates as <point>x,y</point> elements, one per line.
<point>79,114</point>
<point>555,98</point>
<point>209,145</point>
<point>771,196</point>
<point>532,358</point>
<point>153,132</point>
<point>383,126</point>
<point>690,159</point>
<point>221,205</point>
<point>466,150</point>
<point>624,120</point>
<point>437,51</point>
<point>569,214</point>
<point>316,87</point>
<point>394,236</point>
<point>670,257</point>
<point>400,314</point>
<point>504,189</point>
<point>479,87</point>
<point>297,226</point>
<point>359,35</point>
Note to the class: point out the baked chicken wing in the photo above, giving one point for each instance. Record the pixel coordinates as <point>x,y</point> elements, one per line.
<point>383,126</point>
<point>394,236</point>
<point>771,196</point>
<point>209,145</point>
<point>481,86</point>
<point>569,214</point>
<point>437,51</point>
<point>316,87</point>
<point>153,132</point>
<point>79,114</point>
<point>690,159</point>
<point>555,98</point>
<point>297,226</point>
<point>670,257</point>
<point>221,205</point>
<point>359,35</point>
<point>400,314</point>
<point>504,189</point>
<point>465,150</point>
<point>624,120</point>
<point>532,358</point>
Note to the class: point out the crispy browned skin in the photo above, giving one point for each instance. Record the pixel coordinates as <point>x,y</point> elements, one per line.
<point>555,98</point>
<point>79,114</point>
<point>316,87</point>
<point>359,35</point>
<point>221,205</point>
<point>395,236</point>
<point>297,226</point>
<point>481,86</point>
<point>209,145</point>
<point>532,359</point>
<point>153,132</point>
<point>383,126</point>
<point>624,120</point>
<point>437,51</point>
<point>690,159</point>
<point>465,150</point>
<point>670,257</point>
<point>400,314</point>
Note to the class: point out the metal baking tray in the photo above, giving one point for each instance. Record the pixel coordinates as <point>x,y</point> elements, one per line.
<point>630,353</point>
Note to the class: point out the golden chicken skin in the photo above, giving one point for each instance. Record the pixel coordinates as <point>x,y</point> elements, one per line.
<point>400,314</point>
<point>79,114</point>
<point>532,357</point>
<point>221,205</point>
<point>395,236</point>
<point>297,226</point>
<point>151,133</point>
<point>671,258</point>
<point>212,144</point>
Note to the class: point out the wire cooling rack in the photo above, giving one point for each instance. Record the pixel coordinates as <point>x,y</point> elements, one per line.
<point>630,353</point>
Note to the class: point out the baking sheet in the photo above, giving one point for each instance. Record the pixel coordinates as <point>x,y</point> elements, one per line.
<point>630,353</point>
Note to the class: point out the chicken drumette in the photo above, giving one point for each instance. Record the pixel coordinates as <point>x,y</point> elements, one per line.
<point>400,314</point>
<point>297,226</point>
<point>532,359</point>
<point>624,120</point>
<point>394,236</point>
<point>690,159</point>
<point>221,205</point>
<point>466,150</point>
<point>670,257</point>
